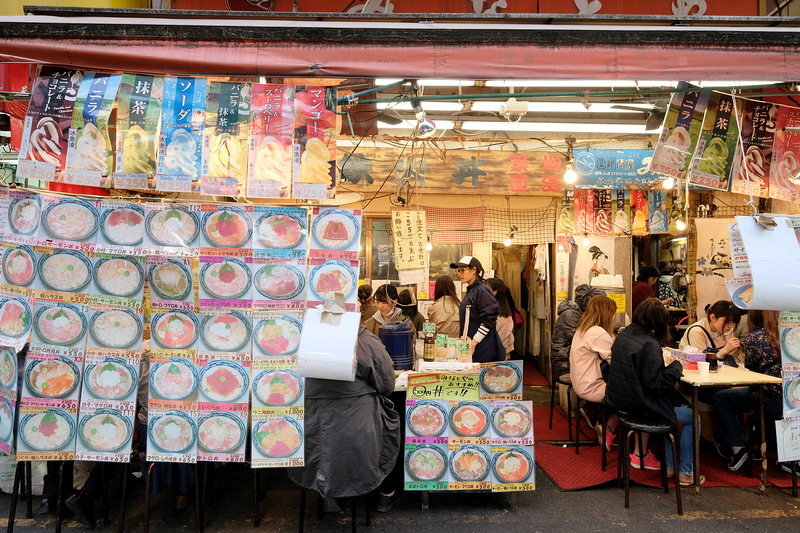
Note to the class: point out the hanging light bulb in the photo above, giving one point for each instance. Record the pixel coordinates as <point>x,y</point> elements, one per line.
<point>669,183</point>
<point>586,240</point>
<point>681,225</point>
<point>429,247</point>
<point>570,176</point>
<point>507,242</point>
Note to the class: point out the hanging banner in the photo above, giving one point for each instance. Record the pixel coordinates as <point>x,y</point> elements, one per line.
<point>679,135</point>
<point>584,212</point>
<point>227,128</point>
<point>659,218</point>
<point>314,157</point>
<point>603,211</point>
<point>180,147</point>
<point>640,212</point>
<point>410,232</point>
<point>716,147</point>
<point>622,213</point>
<point>138,119</point>
<point>751,168</point>
<point>786,157</point>
<point>269,173</point>
<point>43,150</point>
<point>89,156</point>
<point>614,169</point>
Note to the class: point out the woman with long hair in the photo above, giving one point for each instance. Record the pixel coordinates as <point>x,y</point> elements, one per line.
<point>505,319</point>
<point>640,384</point>
<point>365,299</point>
<point>444,310</point>
<point>715,331</point>
<point>762,353</point>
<point>408,306</point>
<point>480,328</point>
<point>387,310</point>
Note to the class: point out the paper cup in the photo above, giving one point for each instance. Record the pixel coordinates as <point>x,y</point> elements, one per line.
<point>702,367</point>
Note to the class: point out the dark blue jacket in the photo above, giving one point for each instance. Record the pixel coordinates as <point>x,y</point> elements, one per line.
<point>482,323</point>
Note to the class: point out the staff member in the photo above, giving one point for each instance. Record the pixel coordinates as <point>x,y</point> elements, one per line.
<point>484,342</point>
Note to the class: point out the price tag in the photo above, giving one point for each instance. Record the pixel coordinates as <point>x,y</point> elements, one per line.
<point>36,170</point>
<point>426,485</point>
<point>45,456</point>
<point>513,487</point>
<point>264,189</point>
<point>469,485</point>
<point>171,458</point>
<point>103,457</point>
<point>79,176</point>
<point>129,180</point>
<point>309,191</point>
<point>174,183</point>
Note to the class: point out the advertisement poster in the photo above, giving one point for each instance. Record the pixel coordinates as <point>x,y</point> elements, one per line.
<point>227,128</point>
<point>584,212</point>
<point>716,147</point>
<point>751,168</point>
<point>410,232</point>
<point>659,216</point>
<point>603,209</point>
<point>89,155</point>
<point>682,128</point>
<point>8,399</point>
<point>43,148</point>
<point>566,218</point>
<point>315,132</point>
<point>789,326</point>
<point>614,169</point>
<point>640,212</point>
<point>272,123</point>
<point>622,212</point>
<point>180,141</point>
<point>138,121</point>
<point>783,181</point>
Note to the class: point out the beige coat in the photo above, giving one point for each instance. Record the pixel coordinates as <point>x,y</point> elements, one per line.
<point>444,313</point>
<point>584,362</point>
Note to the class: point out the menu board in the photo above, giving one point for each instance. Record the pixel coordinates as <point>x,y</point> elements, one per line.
<point>45,135</point>
<point>790,362</point>
<point>464,443</point>
<point>8,399</point>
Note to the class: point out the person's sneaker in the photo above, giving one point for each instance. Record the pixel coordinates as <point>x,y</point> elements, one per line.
<point>723,450</point>
<point>738,460</point>
<point>787,467</point>
<point>650,461</point>
<point>611,439</point>
<point>47,507</point>
<point>385,503</point>
<point>83,507</point>
<point>756,453</point>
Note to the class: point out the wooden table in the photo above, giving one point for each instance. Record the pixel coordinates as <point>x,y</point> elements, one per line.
<point>727,376</point>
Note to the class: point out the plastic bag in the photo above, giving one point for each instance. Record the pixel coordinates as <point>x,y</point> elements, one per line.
<point>8,469</point>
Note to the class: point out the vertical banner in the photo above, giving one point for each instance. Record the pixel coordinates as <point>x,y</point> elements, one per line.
<point>602,212</point>
<point>227,128</point>
<point>180,147</point>
<point>43,150</point>
<point>790,362</point>
<point>751,168</point>
<point>681,130</point>
<point>565,226</point>
<point>410,232</point>
<point>716,147</point>
<point>640,212</point>
<point>269,172</point>
<point>314,158</point>
<point>659,218</point>
<point>138,119</point>
<point>584,212</point>
<point>622,212</point>
<point>786,157</point>
<point>89,155</point>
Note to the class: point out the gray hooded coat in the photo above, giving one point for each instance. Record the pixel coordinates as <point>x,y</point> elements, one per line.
<point>351,440</point>
<point>569,314</point>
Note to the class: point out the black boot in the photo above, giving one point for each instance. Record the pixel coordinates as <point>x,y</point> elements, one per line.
<point>83,507</point>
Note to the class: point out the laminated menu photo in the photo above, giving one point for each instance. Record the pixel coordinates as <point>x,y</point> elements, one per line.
<point>226,282</point>
<point>226,230</point>
<point>171,229</point>
<point>121,228</point>
<point>171,282</point>
<point>24,213</point>
<point>16,318</point>
<point>279,232</point>
<point>68,223</point>
<point>501,381</point>
<point>335,233</point>
<point>280,283</point>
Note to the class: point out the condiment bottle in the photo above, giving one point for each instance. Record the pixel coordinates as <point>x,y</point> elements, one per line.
<point>430,348</point>
<point>713,363</point>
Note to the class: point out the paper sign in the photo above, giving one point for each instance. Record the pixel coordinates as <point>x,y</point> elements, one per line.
<point>139,113</point>
<point>619,299</point>
<point>443,387</point>
<point>410,232</point>
<point>788,432</point>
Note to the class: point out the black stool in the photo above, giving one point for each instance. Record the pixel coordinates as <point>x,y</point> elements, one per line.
<point>630,424</point>
<point>320,509</point>
<point>563,379</point>
<point>601,419</point>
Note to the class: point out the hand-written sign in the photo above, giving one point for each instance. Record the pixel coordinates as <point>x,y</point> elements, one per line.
<point>443,387</point>
<point>410,231</point>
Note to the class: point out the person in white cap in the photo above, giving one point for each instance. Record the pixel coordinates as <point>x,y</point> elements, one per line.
<point>480,329</point>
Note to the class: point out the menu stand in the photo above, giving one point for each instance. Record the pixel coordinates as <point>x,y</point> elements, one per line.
<point>256,497</point>
<point>148,484</point>
<point>22,489</point>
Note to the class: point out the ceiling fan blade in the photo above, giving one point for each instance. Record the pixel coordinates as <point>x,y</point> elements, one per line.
<point>389,119</point>
<point>654,119</point>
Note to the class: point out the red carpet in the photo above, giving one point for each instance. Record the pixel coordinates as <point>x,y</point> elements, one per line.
<point>531,376</point>
<point>560,431</point>
<point>573,472</point>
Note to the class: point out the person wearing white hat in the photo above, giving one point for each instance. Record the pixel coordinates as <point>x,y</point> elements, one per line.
<point>480,329</point>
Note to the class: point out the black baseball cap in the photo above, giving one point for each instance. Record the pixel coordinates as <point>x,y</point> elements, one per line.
<point>468,261</point>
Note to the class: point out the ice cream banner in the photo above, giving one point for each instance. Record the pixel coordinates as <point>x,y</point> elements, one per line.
<point>751,167</point>
<point>789,327</point>
<point>43,149</point>
<point>566,218</point>
<point>622,213</point>
<point>713,155</point>
<point>227,128</point>
<point>659,217</point>
<point>138,120</point>
<point>640,212</point>
<point>584,212</point>
<point>785,166</point>
<point>679,135</point>
<point>89,155</point>
<point>269,170</point>
<point>314,157</point>
<point>603,209</point>
<point>180,149</point>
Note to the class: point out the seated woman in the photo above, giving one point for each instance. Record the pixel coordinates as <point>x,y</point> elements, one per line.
<point>505,321</point>
<point>444,311</point>
<point>385,300</point>
<point>352,440</point>
<point>762,353</point>
<point>591,347</point>
<point>640,384</point>
<point>715,331</point>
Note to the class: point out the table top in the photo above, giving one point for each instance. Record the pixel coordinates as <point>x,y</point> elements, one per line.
<point>728,376</point>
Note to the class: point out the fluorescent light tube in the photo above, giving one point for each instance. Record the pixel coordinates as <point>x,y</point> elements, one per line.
<point>560,127</point>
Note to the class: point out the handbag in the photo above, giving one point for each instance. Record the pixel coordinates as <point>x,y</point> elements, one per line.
<point>728,360</point>
<point>518,322</point>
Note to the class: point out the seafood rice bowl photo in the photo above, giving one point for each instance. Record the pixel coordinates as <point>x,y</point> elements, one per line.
<point>8,369</point>
<point>6,419</point>
<point>335,229</point>
<point>57,378</point>
<point>427,418</point>
<point>15,317</point>
<point>115,329</point>
<point>229,227</point>
<point>23,214</point>
<point>176,380</point>
<point>65,270</point>
<point>426,463</point>
<point>278,438</point>
<point>107,430</point>
<point>228,332</point>
<point>175,330</point>
<point>278,336</point>
<point>176,226</point>
<point>277,387</point>
<point>48,431</point>
<point>277,230</point>
<point>512,420</point>
<point>221,432</point>
<point>223,381</point>
<point>173,432</point>
<point>171,280</point>
<point>227,280</point>
<point>19,265</point>
<point>280,282</point>
<point>123,225</point>
<point>61,324</point>
<point>470,463</point>
<point>121,276</point>
<point>113,379</point>
<point>70,219</point>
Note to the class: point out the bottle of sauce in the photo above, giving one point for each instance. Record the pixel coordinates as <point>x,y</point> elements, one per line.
<point>430,348</point>
<point>713,363</point>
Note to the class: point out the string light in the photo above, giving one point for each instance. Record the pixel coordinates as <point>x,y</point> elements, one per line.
<point>669,183</point>
<point>681,225</point>
<point>429,246</point>
<point>586,240</point>
<point>570,176</point>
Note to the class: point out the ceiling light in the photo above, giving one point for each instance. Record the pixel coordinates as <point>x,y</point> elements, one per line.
<point>570,176</point>
<point>429,246</point>
<point>669,183</point>
<point>424,127</point>
<point>681,225</point>
<point>560,127</point>
<point>507,242</point>
<point>586,240</point>
<point>429,83</point>
<point>412,125</point>
<point>562,107</point>
<point>427,106</point>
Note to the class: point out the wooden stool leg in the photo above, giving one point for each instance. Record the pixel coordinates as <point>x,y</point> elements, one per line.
<point>148,482</point>
<point>123,497</point>
<point>675,465</point>
<point>302,508</point>
<point>626,469</point>
<point>18,475</point>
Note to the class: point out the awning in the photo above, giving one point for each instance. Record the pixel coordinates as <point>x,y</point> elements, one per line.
<point>285,47</point>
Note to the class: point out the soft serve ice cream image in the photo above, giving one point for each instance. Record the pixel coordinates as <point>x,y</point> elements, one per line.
<point>181,155</point>
<point>675,148</point>
<point>273,162</point>
<point>225,158</point>
<point>90,150</point>
<point>314,163</point>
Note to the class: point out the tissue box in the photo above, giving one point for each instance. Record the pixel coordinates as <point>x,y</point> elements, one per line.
<point>689,357</point>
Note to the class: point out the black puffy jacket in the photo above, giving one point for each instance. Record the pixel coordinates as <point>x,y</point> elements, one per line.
<point>569,314</point>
